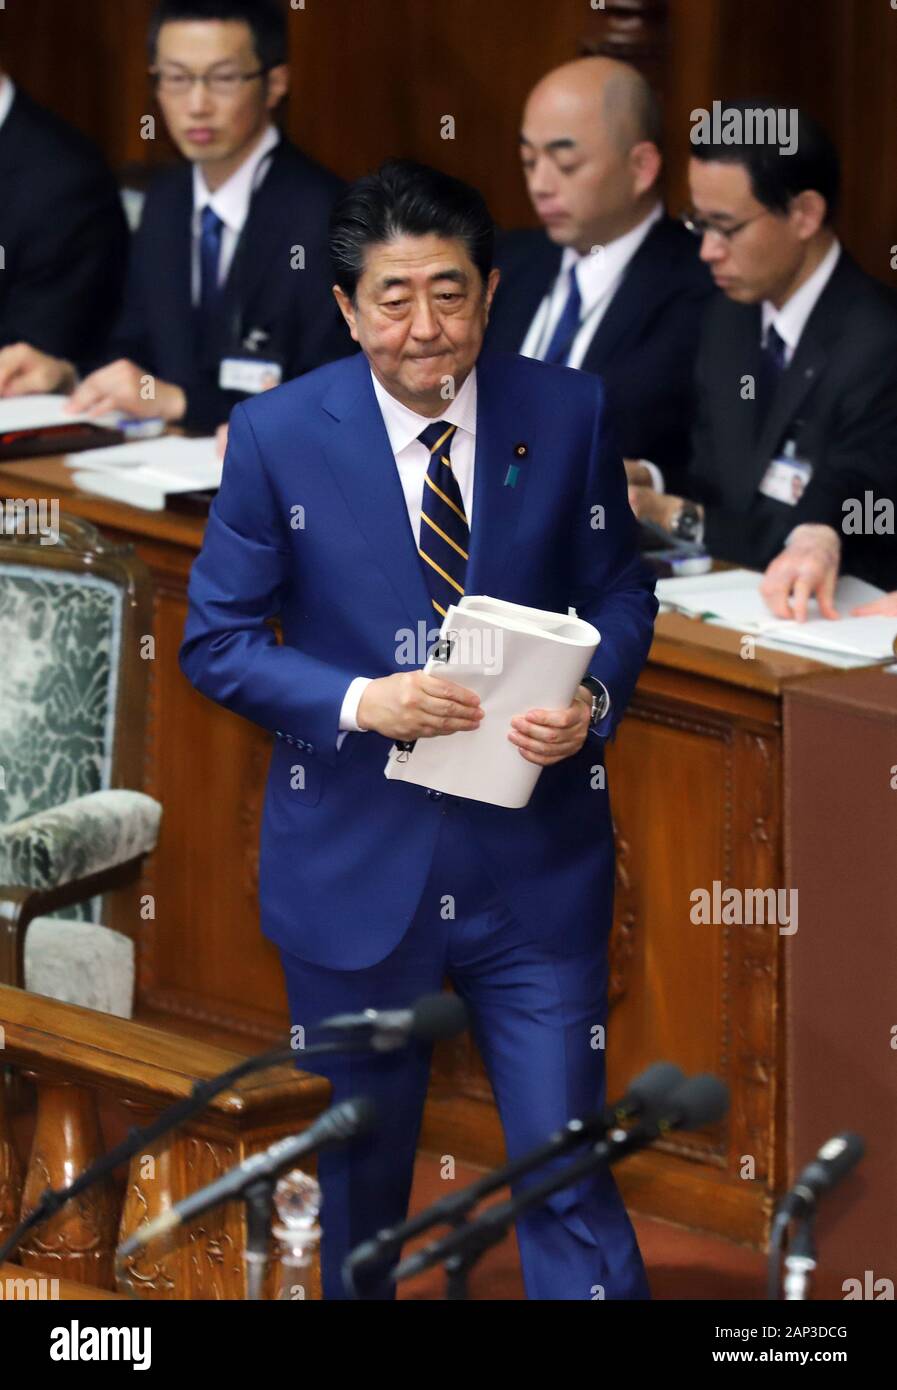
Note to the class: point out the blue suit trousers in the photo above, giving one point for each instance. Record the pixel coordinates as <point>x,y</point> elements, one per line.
<point>538,1020</point>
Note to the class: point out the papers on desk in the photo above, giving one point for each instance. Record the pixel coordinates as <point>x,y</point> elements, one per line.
<point>38,413</point>
<point>516,659</point>
<point>148,471</point>
<point>732,598</point>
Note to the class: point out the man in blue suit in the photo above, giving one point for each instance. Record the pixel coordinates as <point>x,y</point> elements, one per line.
<point>355,503</point>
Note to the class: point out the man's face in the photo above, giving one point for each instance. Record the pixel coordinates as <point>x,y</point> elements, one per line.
<point>419,316</point>
<point>580,182</point>
<point>212,127</point>
<point>762,258</point>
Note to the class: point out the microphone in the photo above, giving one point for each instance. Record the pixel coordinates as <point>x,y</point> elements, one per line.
<point>430,1018</point>
<point>348,1120</point>
<point>837,1157</point>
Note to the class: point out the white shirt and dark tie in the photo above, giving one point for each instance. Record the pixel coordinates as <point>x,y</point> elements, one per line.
<point>219,217</point>
<point>412,460</point>
<point>597,275</point>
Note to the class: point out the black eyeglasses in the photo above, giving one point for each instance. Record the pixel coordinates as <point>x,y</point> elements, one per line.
<point>700,227</point>
<point>220,84</point>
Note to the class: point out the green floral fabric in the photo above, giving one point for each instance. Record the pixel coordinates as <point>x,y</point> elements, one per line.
<point>83,837</point>
<point>60,638</point>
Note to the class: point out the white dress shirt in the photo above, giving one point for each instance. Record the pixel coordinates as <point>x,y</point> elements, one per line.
<point>598,275</point>
<point>791,320</point>
<point>231,202</point>
<point>7,97</point>
<point>412,461</point>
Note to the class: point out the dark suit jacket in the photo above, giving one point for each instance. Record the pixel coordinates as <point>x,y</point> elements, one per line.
<point>158,328</point>
<point>837,400</point>
<point>63,232</point>
<point>645,345</point>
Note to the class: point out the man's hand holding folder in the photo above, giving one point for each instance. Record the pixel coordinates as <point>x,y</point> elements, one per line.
<point>413,705</point>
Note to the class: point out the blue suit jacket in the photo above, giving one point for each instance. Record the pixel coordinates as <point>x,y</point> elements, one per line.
<point>345,852</point>
<point>643,349</point>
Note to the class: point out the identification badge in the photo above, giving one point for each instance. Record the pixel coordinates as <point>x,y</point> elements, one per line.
<point>786,477</point>
<point>249,374</point>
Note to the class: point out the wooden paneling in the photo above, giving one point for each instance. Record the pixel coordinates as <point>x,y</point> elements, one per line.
<point>695,785</point>
<point>376,78</point>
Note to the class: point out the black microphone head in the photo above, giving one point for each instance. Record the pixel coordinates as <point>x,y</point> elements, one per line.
<point>437,1016</point>
<point>834,1161</point>
<point>699,1101</point>
<point>349,1118</point>
<point>649,1090</point>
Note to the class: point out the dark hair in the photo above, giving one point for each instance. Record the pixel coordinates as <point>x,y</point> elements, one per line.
<point>404,198</point>
<point>265,18</point>
<point>776,178</point>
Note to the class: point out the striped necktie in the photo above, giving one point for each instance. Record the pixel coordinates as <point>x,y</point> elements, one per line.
<point>444,533</point>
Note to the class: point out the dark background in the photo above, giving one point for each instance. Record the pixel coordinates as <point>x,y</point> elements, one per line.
<point>374,77</point>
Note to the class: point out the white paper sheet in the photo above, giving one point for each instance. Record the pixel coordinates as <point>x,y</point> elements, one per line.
<point>148,471</point>
<point>732,599</point>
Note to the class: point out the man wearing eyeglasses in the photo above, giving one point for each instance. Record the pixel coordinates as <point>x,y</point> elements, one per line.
<point>797,380</point>
<point>228,290</point>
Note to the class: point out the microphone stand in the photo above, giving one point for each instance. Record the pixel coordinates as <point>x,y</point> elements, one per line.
<point>800,1261</point>
<point>470,1241</point>
<point>258,1200</point>
<point>452,1210</point>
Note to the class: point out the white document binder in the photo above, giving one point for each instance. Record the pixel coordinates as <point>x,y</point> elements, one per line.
<point>516,659</point>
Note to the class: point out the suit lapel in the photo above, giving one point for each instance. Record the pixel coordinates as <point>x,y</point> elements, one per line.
<point>805,368</point>
<point>175,285</point>
<point>362,462</point>
<point>645,283</point>
<point>364,466</point>
<point>505,426</point>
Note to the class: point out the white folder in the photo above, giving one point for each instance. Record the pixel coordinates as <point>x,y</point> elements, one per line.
<point>516,659</point>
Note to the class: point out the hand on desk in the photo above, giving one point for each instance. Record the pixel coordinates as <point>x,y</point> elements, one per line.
<point>24,371</point>
<point>806,568</point>
<point>123,386</point>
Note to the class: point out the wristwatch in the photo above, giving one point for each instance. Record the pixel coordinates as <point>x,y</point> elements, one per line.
<point>600,699</point>
<point>686,523</point>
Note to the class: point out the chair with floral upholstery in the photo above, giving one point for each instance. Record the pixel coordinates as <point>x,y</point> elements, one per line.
<point>73,830</point>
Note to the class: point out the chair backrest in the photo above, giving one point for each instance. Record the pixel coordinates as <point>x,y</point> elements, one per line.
<point>73,683</point>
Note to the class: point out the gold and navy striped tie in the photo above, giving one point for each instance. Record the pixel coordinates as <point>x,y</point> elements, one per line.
<point>444,533</point>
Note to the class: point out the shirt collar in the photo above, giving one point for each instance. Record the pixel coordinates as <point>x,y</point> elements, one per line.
<point>7,97</point>
<point>791,320</point>
<point>404,425</point>
<point>596,273</point>
<point>231,201</point>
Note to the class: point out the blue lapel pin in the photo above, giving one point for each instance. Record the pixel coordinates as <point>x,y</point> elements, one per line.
<point>513,472</point>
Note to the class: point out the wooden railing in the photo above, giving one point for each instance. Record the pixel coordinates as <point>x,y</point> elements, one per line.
<point>94,1074</point>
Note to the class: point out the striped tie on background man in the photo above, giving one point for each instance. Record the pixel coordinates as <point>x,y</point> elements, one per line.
<point>444,533</point>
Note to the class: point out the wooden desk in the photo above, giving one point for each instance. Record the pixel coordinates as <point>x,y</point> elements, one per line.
<point>696,779</point>
<point>25,1285</point>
